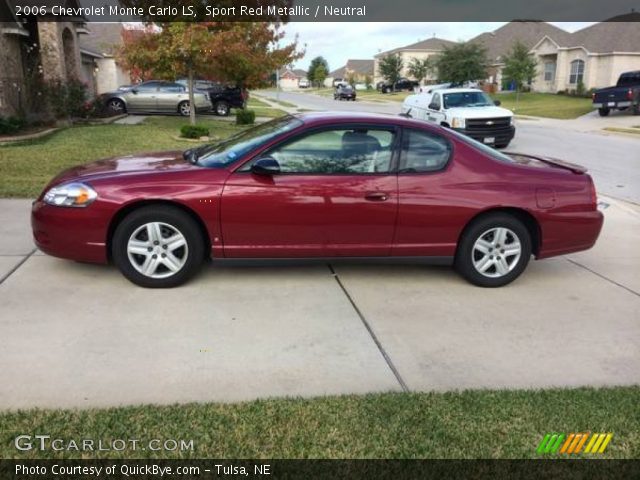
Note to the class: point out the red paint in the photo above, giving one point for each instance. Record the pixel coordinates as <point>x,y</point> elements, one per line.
<point>246,215</point>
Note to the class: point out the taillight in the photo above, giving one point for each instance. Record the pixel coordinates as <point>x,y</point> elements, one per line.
<point>593,194</point>
<point>630,95</point>
<point>593,96</point>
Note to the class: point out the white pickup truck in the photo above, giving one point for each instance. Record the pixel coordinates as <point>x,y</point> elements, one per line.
<point>467,110</point>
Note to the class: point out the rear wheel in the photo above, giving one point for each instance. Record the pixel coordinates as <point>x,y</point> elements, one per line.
<point>603,112</point>
<point>184,109</point>
<point>636,107</point>
<point>222,108</point>
<point>158,247</point>
<point>494,250</point>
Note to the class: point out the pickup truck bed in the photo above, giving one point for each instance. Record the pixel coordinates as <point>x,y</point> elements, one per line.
<point>626,94</point>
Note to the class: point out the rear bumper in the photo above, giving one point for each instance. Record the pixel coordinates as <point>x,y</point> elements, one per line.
<point>614,104</point>
<point>564,233</point>
<point>500,136</point>
<point>74,233</point>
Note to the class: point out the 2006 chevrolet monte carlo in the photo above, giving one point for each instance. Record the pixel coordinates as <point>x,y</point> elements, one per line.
<point>320,185</point>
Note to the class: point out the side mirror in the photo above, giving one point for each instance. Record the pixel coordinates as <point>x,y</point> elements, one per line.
<point>434,106</point>
<point>266,166</point>
<point>497,103</point>
<point>134,90</point>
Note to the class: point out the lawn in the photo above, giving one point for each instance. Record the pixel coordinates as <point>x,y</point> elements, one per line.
<point>470,424</point>
<point>263,109</point>
<point>26,168</point>
<point>545,105</point>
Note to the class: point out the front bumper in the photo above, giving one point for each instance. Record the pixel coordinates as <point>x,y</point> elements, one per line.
<point>73,233</point>
<point>500,136</point>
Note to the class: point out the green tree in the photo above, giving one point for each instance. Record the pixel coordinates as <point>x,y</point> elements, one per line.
<point>462,62</point>
<point>390,67</point>
<point>420,69</point>
<point>519,67</point>
<point>312,72</point>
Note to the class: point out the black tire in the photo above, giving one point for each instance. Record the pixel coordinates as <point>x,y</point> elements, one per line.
<point>480,228</point>
<point>636,107</point>
<point>171,217</point>
<point>502,145</point>
<point>183,108</point>
<point>222,108</point>
<point>116,106</point>
<point>604,112</point>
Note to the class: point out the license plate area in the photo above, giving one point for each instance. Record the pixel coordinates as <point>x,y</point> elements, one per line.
<point>489,140</point>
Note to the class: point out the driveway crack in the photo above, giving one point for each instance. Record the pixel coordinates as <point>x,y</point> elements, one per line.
<point>375,339</point>
<point>20,263</point>
<point>637,294</point>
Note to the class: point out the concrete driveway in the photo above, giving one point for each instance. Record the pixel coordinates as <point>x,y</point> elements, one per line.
<point>81,335</point>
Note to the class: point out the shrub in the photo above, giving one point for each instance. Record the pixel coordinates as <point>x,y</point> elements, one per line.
<point>11,125</point>
<point>245,117</point>
<point>194,131</point>
<point>66,99</point>
<point>580,90</point>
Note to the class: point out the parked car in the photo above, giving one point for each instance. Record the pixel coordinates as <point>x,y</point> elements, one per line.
<point>303,83</point>
<point>401,84</point>
<point>223,97</point>
<point>344,92</point>
<point>625,94</point>
<point>155,96</point>
<point>320,185</point>
<point>466,110</point>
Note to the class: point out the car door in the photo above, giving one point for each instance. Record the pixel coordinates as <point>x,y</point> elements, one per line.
<point>169,96</point>
<point>429,213</point>
<point>142,98</point>
<point>336,195</point>
<point>434,110</point>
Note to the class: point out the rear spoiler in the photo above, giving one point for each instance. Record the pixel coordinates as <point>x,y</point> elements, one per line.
<point>555,162</point>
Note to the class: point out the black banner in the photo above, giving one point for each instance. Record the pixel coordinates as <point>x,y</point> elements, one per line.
<point>319,469</point>
<point>322,10</point>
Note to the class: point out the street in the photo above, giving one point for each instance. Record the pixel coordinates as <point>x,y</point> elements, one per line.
<point>613,159</point>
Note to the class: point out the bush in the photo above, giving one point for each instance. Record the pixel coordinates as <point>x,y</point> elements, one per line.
<point>245,117</point>
<point>66,99</point>
<point>194,131</point>
<point>11,125</point>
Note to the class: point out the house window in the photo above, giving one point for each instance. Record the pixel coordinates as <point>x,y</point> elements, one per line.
<point>549,71</point>
<point>577,72</point>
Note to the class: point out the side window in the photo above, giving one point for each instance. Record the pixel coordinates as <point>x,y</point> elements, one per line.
<point>172,88</point>
<point>435,101</point>
<point>148,87</point>
<point>423,152</point>
<point>339,151</point>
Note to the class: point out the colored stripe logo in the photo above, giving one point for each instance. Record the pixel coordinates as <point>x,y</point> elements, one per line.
<point>574,443</point>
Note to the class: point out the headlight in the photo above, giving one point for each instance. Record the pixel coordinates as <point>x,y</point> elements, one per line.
<point>458,123</point>
<point>70,195</point>
<point>512,121</point>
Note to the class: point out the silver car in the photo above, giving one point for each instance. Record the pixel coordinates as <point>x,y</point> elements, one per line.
<point>155,96</point>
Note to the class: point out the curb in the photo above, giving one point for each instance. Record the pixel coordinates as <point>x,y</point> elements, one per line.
<point>31,136</point>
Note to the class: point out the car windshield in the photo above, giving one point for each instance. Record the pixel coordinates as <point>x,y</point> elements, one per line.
<point>492,152</point>
<point>224,153</point>
<point>467,99</point>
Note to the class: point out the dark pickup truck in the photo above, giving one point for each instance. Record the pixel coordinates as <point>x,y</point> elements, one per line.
<point>401,84</point>
<point>626,94</point>
<point>223,97</point>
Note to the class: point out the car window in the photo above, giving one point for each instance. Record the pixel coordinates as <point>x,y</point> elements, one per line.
<point>172,88</point>
<point>435,100</point>
<point>467,99</point>
<point>423,152</point>
<point>147,87</point>
<point>338,151</point>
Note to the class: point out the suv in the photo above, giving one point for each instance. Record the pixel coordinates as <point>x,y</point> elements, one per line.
<point>401,84</point>
<point>467,110</point>
<point>223,98</point>
<point>625,94</point>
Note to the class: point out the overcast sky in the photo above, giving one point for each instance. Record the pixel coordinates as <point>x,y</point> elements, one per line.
<point>338,42</point>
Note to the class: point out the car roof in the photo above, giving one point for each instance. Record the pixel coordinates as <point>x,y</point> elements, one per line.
<point>454,90</point>
<point>328,118</point>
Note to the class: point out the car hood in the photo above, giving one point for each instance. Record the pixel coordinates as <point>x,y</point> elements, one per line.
<point>479,112</point>
<point>126,165</point>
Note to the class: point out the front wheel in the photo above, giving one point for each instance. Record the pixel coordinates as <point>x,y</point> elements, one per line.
<point>184,109</point>
<point>494,250</point>
<point>116,106</point>
<point>603,112</point>
<point>158,247</point>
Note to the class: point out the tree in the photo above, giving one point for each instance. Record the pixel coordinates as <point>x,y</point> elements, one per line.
<point>463,62</point>
<point>318,66</point>
<point>390,68</point>
<point>519,67</point>
<point>420,69</point>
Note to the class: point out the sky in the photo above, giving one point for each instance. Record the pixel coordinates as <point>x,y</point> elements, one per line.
<point>338,42</point>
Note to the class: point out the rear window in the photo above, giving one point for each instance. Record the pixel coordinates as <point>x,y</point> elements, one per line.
<point>629,79</point>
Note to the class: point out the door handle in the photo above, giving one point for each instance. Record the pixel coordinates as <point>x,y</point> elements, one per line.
<point>376,196</point>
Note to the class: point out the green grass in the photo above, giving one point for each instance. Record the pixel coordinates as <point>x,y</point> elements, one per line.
<point>26,168</point>
<point>263,109</point>
<point>545,105</point>
<point>470,424</point>
<point>254,102</point>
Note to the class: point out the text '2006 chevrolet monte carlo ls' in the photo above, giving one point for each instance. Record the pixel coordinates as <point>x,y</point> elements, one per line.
<point>320,185</point>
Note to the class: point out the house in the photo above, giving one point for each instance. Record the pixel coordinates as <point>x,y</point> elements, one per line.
<point>429,48</point>
<point>354,71</point>
<point>290,78</point>
<point>36,50</point>
<point>102,44</point>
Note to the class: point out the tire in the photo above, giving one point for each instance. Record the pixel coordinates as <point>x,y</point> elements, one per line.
<point>636,108</point>
<point>184,109</point>
<point>472,255</point>
<point>183,260</point>
<point>386,90</point>
<point>116,106</point>
<point>222,108</point>
<point>603,112</point>
<point>502,145</point>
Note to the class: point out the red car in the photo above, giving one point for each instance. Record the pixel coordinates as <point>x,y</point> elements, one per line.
<point>320,185</point>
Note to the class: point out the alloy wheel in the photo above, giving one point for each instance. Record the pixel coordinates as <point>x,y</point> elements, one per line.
<point>185,109</point>
<point>157,250</point>
<point>496,252</point>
